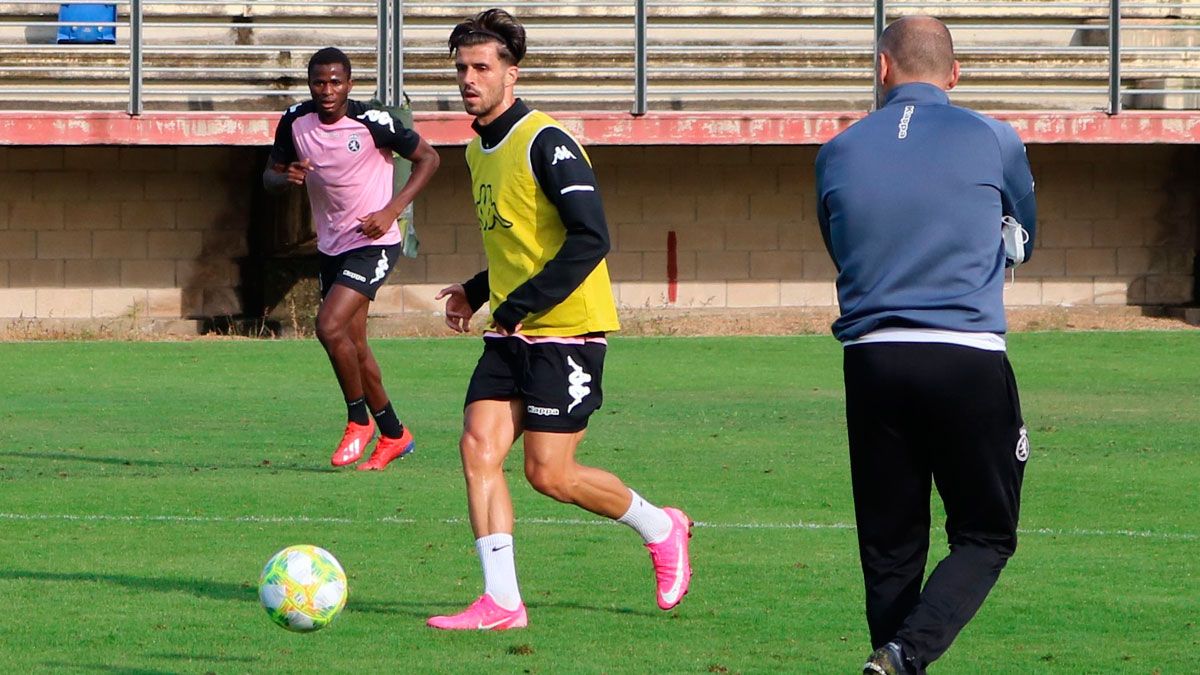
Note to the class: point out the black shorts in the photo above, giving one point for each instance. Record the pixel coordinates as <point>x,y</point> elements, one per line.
<point>560,384</point>
<point>362,269</point>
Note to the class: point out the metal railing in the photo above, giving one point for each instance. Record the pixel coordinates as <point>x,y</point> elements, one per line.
<point>638,56</point>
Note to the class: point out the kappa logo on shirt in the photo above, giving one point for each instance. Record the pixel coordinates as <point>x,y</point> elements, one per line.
<point>905,121</point>
<point>354,144</point>
<point>487,212</point>
<point>562,153</point>
<point>380,117</point>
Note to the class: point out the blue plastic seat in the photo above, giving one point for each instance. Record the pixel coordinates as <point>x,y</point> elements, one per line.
<point>87,34</point>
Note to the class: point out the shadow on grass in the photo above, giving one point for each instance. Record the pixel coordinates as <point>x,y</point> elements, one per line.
<point>72,667</point>
<point>531,606</point>
<point>158,463</point>
<point>628,611</point>
<point>62,666</point>
<point>68,457</point>
<point>247,592</point>
<point>216,590</point>
<point>179,656</point>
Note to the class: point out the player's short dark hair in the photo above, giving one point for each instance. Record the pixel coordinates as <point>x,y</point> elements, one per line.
<point>919,46</point>
<point>327,57</point>
<point>492,25</point>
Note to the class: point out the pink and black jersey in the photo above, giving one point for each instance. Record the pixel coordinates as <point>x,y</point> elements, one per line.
<point>351,172</point>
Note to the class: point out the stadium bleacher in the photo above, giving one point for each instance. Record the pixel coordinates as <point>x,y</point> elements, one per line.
<point>739,95</point>
<point>743,55</point>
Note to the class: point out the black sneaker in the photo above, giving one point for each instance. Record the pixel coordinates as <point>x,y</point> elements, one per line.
<point>887,660</point>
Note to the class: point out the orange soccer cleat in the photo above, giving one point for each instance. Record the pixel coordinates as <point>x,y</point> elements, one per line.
<point>354,441</point>
<point>387,450</point>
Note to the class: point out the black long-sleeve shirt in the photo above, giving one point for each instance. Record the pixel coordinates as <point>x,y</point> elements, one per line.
<point>567,180</point>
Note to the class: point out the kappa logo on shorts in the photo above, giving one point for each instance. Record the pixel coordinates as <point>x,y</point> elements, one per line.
<point>381,268</point>
<point>541,410</point>
<point>1023,445</point>
<point>354,275</point>
<point>578,379</point>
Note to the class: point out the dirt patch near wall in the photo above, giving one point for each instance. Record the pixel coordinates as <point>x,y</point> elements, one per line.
<point>1097,318</point>
<point>801,321</point>
<point>642,321</point>
<point>810,321</point>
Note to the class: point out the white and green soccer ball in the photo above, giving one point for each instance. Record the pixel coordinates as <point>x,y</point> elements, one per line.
<point>302,588</point>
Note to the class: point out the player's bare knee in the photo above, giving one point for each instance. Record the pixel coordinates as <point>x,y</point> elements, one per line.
<point>330,332</point>
<point>480,452</point>
<point>364,350</point>
<point>553,483</point>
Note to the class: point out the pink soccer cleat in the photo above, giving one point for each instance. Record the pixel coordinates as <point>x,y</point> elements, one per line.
<point>354,441</point>
<point>483,614</point>
<point>388,449</point>
<point>672,569</point>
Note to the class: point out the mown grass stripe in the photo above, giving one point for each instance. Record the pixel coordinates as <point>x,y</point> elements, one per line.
<point>799,525</point>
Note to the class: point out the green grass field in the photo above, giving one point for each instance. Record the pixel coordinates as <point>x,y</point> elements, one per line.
<point>143,486</point>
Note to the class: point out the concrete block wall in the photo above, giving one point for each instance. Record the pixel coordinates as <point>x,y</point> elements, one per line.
<point>103,232</point>
<point>1118,226</point>
<point>95,232</point>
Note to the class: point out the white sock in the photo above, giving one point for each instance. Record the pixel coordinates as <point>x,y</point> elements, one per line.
<point>646,519</point>
<point>499,569</point>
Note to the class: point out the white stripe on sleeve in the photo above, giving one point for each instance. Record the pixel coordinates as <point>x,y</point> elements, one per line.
<point>577,188</point>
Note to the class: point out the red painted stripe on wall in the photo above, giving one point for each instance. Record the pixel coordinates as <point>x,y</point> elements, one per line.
<point>672,269</point>
<point>591,128</point>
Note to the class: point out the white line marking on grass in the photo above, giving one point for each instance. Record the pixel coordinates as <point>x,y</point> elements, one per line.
<point>180,519</point>
<point>1137,534</point>
<point>566,522</point>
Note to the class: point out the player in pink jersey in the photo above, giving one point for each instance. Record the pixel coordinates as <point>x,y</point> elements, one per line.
<point>341,150</point>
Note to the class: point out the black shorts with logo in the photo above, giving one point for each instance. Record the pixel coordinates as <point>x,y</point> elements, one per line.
<point>362,269</point>
<point>560,384</point>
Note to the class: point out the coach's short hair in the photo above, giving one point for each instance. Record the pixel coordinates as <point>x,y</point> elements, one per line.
<point>919,46</point>
<point>493,25</point>
<point>327,57</point>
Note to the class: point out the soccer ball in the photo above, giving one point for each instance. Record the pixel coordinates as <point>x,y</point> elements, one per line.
<point>302,588</point>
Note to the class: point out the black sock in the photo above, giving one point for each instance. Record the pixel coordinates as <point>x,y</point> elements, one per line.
<point>389,424</point>
<point>356,411</point>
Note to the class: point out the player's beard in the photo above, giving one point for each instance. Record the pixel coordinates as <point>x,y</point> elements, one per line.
<point>485,104</point>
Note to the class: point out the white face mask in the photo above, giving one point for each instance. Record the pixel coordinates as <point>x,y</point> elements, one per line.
<point>1015,237</point>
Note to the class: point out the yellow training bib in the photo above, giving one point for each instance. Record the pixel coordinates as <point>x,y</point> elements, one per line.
<point>522,231</point>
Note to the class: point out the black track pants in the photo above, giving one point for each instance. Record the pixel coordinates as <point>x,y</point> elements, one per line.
<point>922,414</point>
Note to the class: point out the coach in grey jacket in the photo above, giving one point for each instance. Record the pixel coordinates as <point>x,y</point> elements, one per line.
<point>910,202</point>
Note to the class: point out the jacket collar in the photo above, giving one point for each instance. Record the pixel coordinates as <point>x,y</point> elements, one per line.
<point>492,133</point>
<point>916,93</point>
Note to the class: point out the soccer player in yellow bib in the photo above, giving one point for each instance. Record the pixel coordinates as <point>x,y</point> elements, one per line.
<point>551,302</point>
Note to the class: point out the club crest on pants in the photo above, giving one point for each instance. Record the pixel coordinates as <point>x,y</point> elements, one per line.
<point>1023,445</point>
